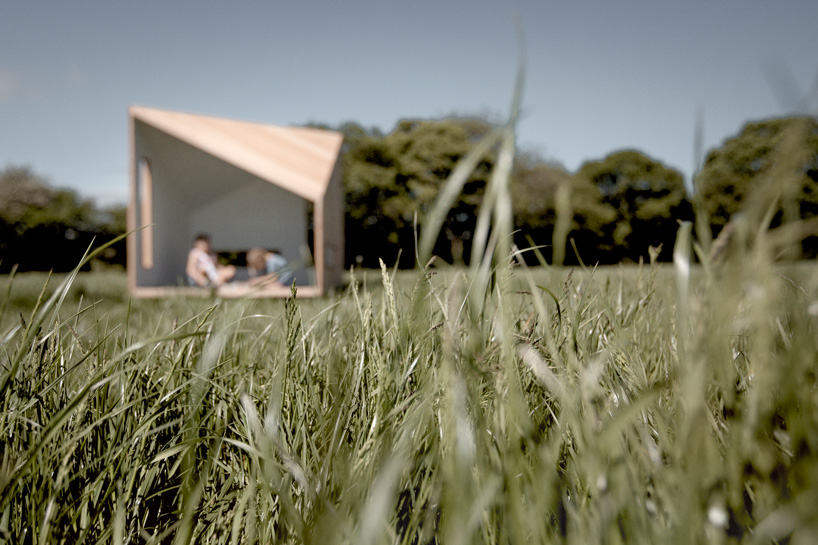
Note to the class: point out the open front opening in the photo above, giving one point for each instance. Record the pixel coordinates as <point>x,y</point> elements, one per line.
<point>276,255</point>
<point>184,192</point>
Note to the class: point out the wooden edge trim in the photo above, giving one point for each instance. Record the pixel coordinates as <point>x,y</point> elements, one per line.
<point>229,291</point>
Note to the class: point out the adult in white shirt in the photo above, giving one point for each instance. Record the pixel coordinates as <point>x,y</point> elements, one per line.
<point>267,266</point>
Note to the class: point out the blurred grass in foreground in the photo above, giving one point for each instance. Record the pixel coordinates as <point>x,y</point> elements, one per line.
<point>394,414</point>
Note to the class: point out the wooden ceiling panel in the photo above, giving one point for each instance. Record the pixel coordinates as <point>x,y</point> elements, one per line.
<point>297,159</point>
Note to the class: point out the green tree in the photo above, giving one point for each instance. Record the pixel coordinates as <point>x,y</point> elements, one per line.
<point>534,187</point>
<point>27,201</point>
<point>369,174</point>
<point>389,179</point>
<point>768,160</point>
<point>644,199</point>
<point>45,228</point>
<point>533,192</point>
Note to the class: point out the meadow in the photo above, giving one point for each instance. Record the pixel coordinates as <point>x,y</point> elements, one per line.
<point>495,404</point>
<point>638,404</point>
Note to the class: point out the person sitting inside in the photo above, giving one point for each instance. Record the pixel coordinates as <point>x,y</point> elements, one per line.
<point>268,266</point>
<point>203,269</point>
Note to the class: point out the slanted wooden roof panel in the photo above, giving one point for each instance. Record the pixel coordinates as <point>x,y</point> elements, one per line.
<point>300,160</point>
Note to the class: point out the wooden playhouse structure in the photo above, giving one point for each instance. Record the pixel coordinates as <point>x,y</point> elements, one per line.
<point>244,184</point>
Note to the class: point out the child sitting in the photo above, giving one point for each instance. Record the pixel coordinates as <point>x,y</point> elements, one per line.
<point>203,269</point>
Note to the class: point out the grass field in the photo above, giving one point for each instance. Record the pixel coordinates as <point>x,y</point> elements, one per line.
<point>618,405</point>
<point>495,404</point>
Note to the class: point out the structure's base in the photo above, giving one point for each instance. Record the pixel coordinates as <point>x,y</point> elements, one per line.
<point>228,291</point>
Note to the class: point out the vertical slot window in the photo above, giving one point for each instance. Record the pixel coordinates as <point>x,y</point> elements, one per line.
<point>146,213</point>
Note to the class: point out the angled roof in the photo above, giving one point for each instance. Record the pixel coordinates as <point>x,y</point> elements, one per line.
<point>299,160</point>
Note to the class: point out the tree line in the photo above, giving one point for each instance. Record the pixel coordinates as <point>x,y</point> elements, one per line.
<point>45,228</point>
<point>615,208</point>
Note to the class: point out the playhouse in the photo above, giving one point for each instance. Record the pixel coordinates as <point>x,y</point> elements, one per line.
<point>244,184</point>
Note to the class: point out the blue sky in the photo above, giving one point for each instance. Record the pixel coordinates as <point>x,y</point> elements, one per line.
<point>600,76</point>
